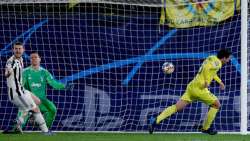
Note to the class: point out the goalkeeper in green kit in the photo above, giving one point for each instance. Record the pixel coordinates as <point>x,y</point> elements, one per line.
<point>35,79</point>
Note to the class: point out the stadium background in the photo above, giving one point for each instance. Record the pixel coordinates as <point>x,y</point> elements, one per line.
<point>105,47</point>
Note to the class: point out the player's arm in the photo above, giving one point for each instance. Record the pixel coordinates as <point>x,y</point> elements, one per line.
<point>52,82</point>
<point>8,68</point>
<point>218,80</point>
<point>207,67</point>
<point>216,77</point>
<point>7,72</point>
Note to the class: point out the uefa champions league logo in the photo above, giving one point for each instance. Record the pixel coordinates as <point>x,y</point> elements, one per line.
<point>89,120</point>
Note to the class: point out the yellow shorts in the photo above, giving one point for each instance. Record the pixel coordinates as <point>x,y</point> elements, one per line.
<point>194,93</point>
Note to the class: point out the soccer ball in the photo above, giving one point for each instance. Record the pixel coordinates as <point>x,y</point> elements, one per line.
<point>168,68</point>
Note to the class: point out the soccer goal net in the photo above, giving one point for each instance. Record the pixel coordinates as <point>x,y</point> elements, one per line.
<point>113,51</point>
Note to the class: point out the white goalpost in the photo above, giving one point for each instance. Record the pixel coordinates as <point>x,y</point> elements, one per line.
<point>244,67</point>
<point>113,51</point>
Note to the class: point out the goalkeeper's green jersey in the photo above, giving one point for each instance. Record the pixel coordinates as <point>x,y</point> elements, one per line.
<point>36,81</point>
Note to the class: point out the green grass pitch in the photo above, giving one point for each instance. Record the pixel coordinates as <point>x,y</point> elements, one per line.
<point>123,137</point>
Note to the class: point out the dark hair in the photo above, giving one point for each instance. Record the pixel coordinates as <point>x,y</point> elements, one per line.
<point>18,43</point>
<point>223,53</point>
<point>35,52</point>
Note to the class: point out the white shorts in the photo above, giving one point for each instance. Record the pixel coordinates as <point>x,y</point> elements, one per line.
<point>23,102</point>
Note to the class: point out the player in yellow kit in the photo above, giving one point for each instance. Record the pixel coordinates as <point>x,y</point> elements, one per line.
<point>197,89</point>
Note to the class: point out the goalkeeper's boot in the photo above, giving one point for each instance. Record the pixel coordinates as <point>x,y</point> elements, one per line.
<point>209,131</point>
<point>49,133</point>
<point>152,124</point>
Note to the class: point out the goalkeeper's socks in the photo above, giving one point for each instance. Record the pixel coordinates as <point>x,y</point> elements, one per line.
<point>166,113</point>
<point>40,121</point>
<point>210,118</point>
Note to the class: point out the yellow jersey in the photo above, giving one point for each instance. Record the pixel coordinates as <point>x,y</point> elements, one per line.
<point>208,72</point>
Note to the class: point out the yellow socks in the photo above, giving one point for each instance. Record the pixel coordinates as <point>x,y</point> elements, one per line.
<point>210,118</point>
<point>166,113</point>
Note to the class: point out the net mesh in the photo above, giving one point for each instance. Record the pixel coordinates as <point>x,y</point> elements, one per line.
<point>113,53</point>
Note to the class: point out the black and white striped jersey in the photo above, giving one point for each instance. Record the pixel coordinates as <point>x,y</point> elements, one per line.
<point>14,68</point>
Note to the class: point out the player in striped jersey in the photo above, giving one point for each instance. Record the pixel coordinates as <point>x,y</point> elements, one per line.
<point>35,79</point>
<point>22,98</point>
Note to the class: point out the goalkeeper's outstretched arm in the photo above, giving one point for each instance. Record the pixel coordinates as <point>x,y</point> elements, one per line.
<point>52,82</point>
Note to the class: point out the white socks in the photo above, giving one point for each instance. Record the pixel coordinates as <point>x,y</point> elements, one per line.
<point>40,121</point>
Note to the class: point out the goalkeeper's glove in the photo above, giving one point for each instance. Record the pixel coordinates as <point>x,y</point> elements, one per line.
<point>69,86</point>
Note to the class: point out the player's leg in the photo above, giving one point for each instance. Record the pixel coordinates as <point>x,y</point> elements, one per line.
<point>36,111</point>
<point>20,113</point>
<point>166,113</point>
<point>49,110</point>
<point>17,129</point>
<point>213,110</point>
<point>35,99</point>
<point>19,101</point>
<point>26,117</point>
<point>208,98</point>
<point>39,119</point>
<point>181,104</point>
